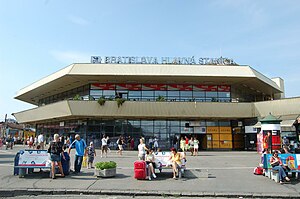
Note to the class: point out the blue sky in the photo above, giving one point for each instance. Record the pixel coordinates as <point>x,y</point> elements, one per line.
<point>39,37</point>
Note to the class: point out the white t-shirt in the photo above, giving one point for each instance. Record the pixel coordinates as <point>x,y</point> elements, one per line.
<point>141,149</point>
<point>40,138</point>
<point>104,141</point>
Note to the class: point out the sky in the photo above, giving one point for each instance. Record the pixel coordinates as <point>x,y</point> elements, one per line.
<point>40,37</point>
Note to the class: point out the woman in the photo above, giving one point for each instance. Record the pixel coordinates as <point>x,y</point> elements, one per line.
<point>176,162</point>
<point>278,166</point>
<point>182,144</point>
<point>150,161</point>
<point>56,151</point>
<point>196,146</point>
<point>120,145</point>
<point>142,149</point>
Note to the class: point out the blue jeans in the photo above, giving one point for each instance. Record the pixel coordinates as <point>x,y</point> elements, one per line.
<point>78,163</point>
<point>281,172</point>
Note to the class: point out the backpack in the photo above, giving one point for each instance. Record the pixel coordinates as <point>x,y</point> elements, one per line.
<point>258,171</point>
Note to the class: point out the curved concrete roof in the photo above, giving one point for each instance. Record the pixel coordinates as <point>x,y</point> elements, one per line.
<point>77,75</point>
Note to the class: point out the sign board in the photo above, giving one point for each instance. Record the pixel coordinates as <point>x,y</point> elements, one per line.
<point>250,129</point>
<point>162,60</point>
<point>199,130</point>
<point>33,158</point>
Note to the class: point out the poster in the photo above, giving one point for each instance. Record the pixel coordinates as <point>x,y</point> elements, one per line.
<point>33,158</point>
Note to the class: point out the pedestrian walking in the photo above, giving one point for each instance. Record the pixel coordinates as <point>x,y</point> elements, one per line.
<point>91,155</point>
<point>104,147</point>
<point>41,141</point>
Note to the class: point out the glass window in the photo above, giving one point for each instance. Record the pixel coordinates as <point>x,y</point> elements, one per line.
<point>224,123</point>
<point>135,93</point>
<point>212,123</point>
<point>109,93</point>
<point>198,94</point>
<point>173,94</point>
<point>211,94</point>
<point>147,122</point>
<point>148,93</point>
<point>224,94</point>
<point>186,94</point>
<point>96,92</point>
<point>173,123</point>
<point>160,93</point>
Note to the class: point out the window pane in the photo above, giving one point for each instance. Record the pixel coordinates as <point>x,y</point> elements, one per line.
<point>160,93</point>
<point>211,94</point>
<point>224,94</point>
<point>96,92</point>
<point>173,93</point>
<point>186,94</point>
<point>148,93</point>
<point>198,94</point>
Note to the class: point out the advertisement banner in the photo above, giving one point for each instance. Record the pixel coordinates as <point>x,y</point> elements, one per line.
<point>33,158</point>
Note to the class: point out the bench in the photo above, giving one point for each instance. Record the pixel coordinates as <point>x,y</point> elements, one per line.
<point>29,159</point>
<point>162,162</point>
<point>292,161</point>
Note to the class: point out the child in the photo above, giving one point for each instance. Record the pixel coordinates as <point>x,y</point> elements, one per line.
<point>91,155</point>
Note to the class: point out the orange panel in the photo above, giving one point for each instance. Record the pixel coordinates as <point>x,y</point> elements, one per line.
<point>225,129</point>
<point>215,137</point>
<point>226,144</point>
<point>225,136</point>
<point>216,144</point>
<point>212,129</point>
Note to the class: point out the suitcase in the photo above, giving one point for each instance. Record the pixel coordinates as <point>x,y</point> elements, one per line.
<point>66,164</point>
<point>16,163</point>
<point>140,170</point>
<point>258,171</point>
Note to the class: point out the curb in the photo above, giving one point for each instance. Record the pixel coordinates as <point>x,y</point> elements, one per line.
<point>38,192</point>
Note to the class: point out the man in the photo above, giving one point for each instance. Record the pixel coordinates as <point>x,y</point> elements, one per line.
<point>80,147</point>
<point>41,141</point>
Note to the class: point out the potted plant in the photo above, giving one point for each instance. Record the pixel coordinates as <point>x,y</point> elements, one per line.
<point>120,101</point>
<point>77,97</point>
<point>105,169</point>
<point>101,101</point>
<point>160,98</point>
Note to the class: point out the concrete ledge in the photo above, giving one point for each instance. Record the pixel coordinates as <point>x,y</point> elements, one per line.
<point>37,192</point>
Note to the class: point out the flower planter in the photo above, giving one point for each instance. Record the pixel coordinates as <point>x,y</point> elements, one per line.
<point>105,173</point>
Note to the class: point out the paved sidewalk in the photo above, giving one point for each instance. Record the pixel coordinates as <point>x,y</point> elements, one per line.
<point>211,174</point>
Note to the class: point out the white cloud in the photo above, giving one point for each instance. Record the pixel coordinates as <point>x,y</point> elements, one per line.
<point>68,57</point>
<point>78,20</point>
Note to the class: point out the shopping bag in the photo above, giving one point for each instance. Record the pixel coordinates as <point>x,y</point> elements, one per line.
<point>84,162</point>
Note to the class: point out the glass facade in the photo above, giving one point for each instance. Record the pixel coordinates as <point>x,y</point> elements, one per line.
<point>170,92</point>
<point>163,130</point>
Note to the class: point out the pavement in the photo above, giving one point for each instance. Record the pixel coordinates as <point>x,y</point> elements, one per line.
<point>213,174</point>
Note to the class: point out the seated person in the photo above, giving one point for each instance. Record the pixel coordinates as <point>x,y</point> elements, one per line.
<point>150,161</point>
<point>176,162</point>
<point>277,165</point>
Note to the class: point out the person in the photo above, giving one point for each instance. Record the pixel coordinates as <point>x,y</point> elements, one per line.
<point>120,145</point>
<point>104,146</point>
<point>80,147</point>
<point>30,142</point>
<point>277,165</point>
<point>150,161</point>
<point>128,142</point>
<point>155,143</point>
<point>286,142</point>
<point>56,152</point>
<point>150,143</point>
<point>142,150</point>
<point>41,140</point>
<point>267,142</point>
<point>35,142</point>
<point>285,150</point>
<point>186,143</point>
<point>182,144</point>
<point>176,162</point>
<point>132,143</point>
<point>1,143</point>
<point>175,141</point>
<point>196,146</point>
<point>91,155</point>
<point>191,145</point>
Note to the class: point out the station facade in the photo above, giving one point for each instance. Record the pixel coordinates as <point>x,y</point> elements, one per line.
<point>216,103</point>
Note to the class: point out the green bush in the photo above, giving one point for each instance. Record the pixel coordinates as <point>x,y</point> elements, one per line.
<point>101,101</point>
<point>106,165</point>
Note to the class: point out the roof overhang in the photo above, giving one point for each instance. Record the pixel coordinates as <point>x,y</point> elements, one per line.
<point>77,75</point>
